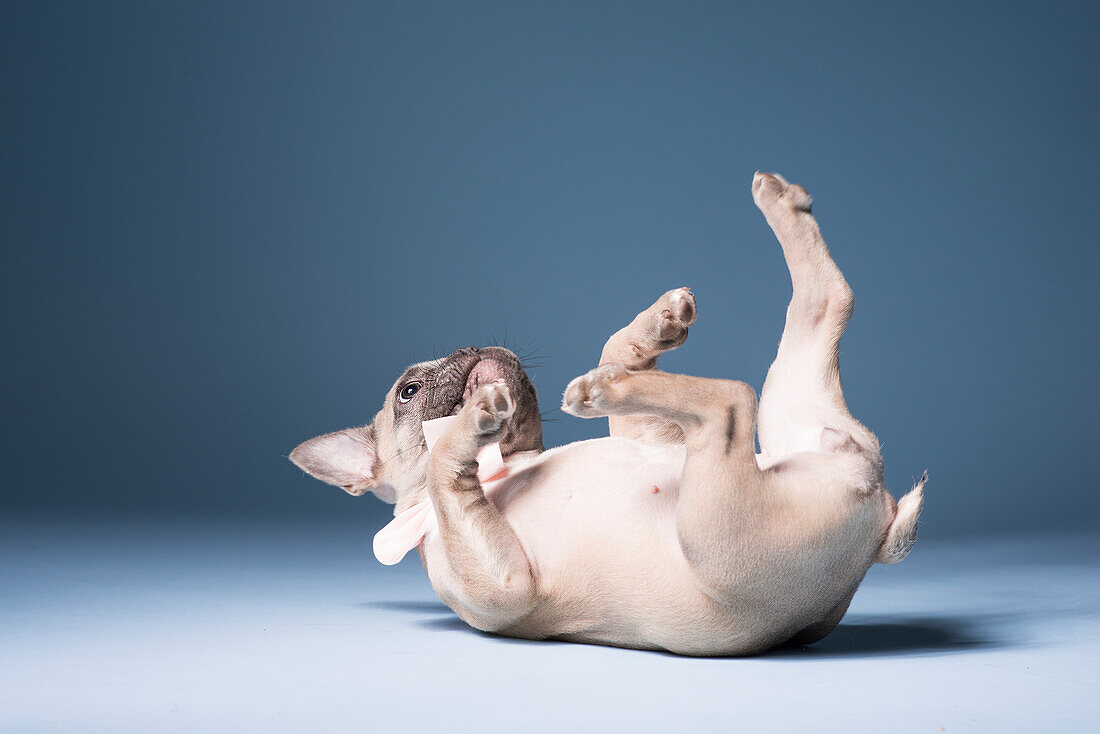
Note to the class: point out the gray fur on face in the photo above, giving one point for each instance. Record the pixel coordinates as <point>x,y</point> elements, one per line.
<point>389,456</point>
<point>445,385</point>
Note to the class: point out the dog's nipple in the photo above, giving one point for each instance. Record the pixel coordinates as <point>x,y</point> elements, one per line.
<point>655,489</point>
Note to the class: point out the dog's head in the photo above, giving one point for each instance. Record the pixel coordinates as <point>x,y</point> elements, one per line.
<point>390,455</point>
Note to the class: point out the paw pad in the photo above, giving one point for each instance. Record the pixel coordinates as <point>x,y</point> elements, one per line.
<point>675,313</point>
<point>588,395</point>
<point>771,189</point>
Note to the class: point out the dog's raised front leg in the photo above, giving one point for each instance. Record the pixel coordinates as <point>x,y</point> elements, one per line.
<point>660,328</point>
<point>485,564</point>
<point>721,501</point>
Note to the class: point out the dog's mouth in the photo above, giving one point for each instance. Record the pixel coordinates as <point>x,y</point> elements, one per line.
<point>484,371</point>
<point>483,366</point>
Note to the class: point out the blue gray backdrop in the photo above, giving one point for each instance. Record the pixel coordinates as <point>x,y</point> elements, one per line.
<point>228,227</point>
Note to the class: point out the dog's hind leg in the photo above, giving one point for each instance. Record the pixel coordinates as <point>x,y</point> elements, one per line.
<point>722,503</point>
<point>660,328</point>
<point>802,404</point>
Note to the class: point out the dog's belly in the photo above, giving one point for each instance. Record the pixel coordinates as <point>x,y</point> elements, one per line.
<point>597,520</point>
<point>593,496</point>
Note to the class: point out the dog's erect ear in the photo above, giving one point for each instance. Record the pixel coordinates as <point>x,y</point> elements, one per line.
<point>346,459</point>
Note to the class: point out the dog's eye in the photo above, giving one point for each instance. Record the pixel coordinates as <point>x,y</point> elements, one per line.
<point>410,389</point>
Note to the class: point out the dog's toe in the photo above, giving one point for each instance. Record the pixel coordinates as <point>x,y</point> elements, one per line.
<point>591,395</point>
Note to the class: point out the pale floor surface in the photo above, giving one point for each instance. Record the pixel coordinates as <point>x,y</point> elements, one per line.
<point>146,627</point>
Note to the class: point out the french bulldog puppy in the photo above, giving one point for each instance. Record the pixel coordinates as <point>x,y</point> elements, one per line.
<point>672,533</point>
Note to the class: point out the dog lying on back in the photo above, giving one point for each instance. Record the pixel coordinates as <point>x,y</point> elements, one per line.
<point>672,533</point>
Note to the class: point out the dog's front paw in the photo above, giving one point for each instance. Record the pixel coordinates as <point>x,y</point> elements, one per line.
<point>596,393</point>
<point>675,313</point>
<point>770,190</point>
<point>492,405</point>
<point>661,328</point>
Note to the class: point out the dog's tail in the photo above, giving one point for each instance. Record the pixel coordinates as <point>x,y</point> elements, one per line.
<point>902,532</point>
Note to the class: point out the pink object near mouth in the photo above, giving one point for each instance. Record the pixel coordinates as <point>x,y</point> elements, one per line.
<point>407,530</point>
<point>489,459</point>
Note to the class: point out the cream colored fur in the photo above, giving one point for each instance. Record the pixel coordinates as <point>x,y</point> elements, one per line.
<point>671,534</point>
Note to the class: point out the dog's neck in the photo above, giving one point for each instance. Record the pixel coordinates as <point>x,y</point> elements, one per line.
<point>415,489</point>
<point>411,493</point>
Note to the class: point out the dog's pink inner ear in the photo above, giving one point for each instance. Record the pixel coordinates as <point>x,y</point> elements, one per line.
<point>345,459</point>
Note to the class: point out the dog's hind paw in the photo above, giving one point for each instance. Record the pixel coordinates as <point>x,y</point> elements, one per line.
<point>594,394</point>
<point>770,190</point>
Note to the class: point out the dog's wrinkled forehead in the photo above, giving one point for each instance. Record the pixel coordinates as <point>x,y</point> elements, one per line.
<point>440,387</point>
<point>433,389</point>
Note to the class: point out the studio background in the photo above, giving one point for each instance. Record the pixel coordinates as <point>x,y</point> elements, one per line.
<point>228,227</point>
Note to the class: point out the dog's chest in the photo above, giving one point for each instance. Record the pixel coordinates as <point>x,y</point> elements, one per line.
<point>587,495</point>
